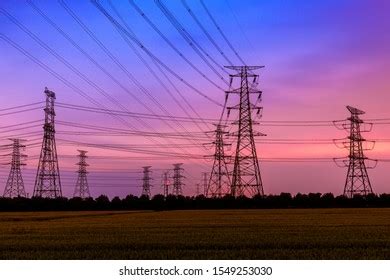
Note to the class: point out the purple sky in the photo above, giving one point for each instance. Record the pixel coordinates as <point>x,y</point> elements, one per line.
<point>319,55</point>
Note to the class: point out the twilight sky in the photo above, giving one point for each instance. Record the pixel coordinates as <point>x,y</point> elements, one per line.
<point>319,56</point>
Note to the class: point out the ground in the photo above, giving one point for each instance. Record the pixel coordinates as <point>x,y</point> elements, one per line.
<point>207,234</point>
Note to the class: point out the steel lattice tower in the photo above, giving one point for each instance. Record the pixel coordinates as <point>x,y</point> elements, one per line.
<point>205,176</point>
<point>82,186</point>
<point>15,185</point>
<point>48,181</point>
<point>177,179</point>
<point>246,178</point>
<point>219,183</point>
<point>357,181</point>
<point>146,181</point>
<point>165,183</point>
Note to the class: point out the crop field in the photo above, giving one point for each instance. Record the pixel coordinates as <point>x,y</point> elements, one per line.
<point>206,234</point>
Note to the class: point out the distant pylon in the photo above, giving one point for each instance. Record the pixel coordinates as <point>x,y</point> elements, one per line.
<point>15,185</point>
<point>197,189</point>
<point>246,178</point>
<point>205,176</point>
<point>219,183</point>
<point>82,187</point>
<point>146,181</point>
<point>48,181</point>
<point>165,183</point>
<point>357,181</point>
<point>177,179</point>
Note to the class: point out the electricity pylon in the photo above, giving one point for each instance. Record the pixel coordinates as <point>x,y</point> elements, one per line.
<point>146,181</point>
<point>15,185</point>
<point>165,183</point>
<point>219,183</point>
<point>357,181</point>
<point>82,186</point>
<point>205,176</point>
<point>246,178</point>
<point>48,181</point>
<point>177,179</point>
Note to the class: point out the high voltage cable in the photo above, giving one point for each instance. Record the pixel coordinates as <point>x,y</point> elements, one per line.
<point>159,68</point>
<point>60,58</point>
<point>150,54</point>
<point>112,57</point>
<point>21,106</point>
<point>44,66</point>
<point>66,63</point>
<point>111,129</point>
<point>185,119</point>
<point>133,114</point>
<point>134,133</point>
<point>20,128</point>
<point>221,32</point>
<point>209,37</point>
<point>191,41</point>
<point>55,74</point>
<point>20,111</point>
<point>165,38</point>
<point>128,149</point>
<point>239,26</point>
<point>122,134</point>
<point>21,124</point>
<point>146,92</point>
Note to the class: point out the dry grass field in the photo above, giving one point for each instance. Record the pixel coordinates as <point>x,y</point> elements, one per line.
<point>214,234</point>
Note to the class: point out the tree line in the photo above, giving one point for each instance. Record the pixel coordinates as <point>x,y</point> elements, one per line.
<point>160,203</point>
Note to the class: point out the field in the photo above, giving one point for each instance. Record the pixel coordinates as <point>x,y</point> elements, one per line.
<point>219,234</point>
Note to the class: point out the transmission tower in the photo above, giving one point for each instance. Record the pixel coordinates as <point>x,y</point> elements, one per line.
<point>146,181</point>
<point>177,179</point>
<point>15,185</point>
<point>165,183</point>
<point>48,181</point>
<point>219,183</point>
<point>82,187</point>
<point>197,189</point>
<point>357,181</point>
<point>205,176</point>
<point>246,178</point>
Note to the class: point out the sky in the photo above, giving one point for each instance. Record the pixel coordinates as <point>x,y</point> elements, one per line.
<point>319,56</point>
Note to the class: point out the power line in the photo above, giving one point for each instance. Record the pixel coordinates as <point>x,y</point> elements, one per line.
<point>208,35</point>
<point>146,64</point>
<point>53,72</point>
<point>127,73</point>
<point>200,51</point>
<point>150,54</point>
<point>221,32</point>
<point>240,27</point>
<point>132,78</point>
<point>172,46</point>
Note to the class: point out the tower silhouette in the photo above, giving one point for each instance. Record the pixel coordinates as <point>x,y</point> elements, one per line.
<point>205,177</point>
<point>177,179</point>
<point>165,183</point>
<point>82,186</point>
<point>146,181</point>
<point>48,181</point>
<point>246,178</point>
<point>15,185</point>
<point>219,183</point>
<point>357,181</point>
